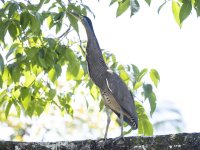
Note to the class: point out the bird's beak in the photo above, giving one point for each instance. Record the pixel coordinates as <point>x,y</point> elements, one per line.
<point>75,15</point>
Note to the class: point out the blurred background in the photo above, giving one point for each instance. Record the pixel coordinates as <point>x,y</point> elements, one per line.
<point>147,39</point>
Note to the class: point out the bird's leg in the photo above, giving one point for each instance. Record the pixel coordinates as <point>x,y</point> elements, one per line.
<point>108,123</point>
<point>121,122</point>
<point>107,126</point>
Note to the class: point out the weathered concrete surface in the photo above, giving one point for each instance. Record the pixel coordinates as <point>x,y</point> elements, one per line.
<point>182,141</point>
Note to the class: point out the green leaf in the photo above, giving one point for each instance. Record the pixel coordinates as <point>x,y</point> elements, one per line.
<point>39,5</point>
<point>135,70</point>
<point>52,75</point>
<point>65,103</point>
<point>59,16</point>
<point>24,19</point>
<point>58,27</point>
<point>49,58</point>
<point>15,93</point>
<point>120,67</point>
<point>148,2</point>
<point>8,108</point>
<point>101,105</point>
<point>72,70</point>
<point>6,6</point>
<point>122,7</point>
<point>51,42</point>
<point>79,75</point>
<point>1,82</point>
<point>1,65</point>
<point>52,93</point>
<point>148,128</point>
<point>41,58</point>
<point>114,59</point>
<point>123,74</point>
<point>40,106</point>
<point>13,30</point>
<point>31,52</point>
<point>29,78</point>
<point>148,93</point>
<point>32,7</point>
<point>73,21</point>
<point>197,7</point>
<point>176,11</point>
<point>31,108</point>
<point>22,5</point>
<point>24,92</point>
<point>6,76</point>
<point>152,102</point>
<point>74,8</point>
<point>147,90</point>
<point>3,95</point>
<point>37,70</point>
<point>73,65</point>
<point>50,21</point>
<point>185,10</point>
<point>58,69</point>
<point>140,127</point>
<point>155,77</point>
<point>3,29</point>
<point>26,96</point>
<point>142,74</point>
<point>137,85</point>
<point>17,108</point>
<point>94,92</point>
<point>135,6</point>
<point>14,72</point>
<point>85,9</point>
<point>46,1</point>
<point>12,9</point>
<point>13,48</point>
<point>34,24</point>
<point>144,125</point>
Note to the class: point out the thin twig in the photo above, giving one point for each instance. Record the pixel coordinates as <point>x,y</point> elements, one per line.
<point>81,45</point>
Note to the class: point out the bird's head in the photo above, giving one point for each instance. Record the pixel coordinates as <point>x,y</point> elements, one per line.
<point>87,23</point>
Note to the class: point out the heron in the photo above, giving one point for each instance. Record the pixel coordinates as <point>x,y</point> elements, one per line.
<point>114,91</point>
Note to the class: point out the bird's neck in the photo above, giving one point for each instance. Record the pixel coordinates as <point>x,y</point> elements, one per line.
<point>93,47</point>
<point>91,35</point>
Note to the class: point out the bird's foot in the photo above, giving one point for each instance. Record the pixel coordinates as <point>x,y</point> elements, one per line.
<point>119,139</point>
<point>104,141</point>
<point>101,140</point>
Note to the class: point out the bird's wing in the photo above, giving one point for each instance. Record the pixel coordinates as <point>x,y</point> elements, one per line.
<point>120,92</point>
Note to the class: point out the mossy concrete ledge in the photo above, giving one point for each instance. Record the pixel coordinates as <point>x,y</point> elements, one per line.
<point>181,141</point>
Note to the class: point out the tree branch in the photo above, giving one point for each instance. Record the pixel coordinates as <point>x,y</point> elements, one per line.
<point>182,141</point>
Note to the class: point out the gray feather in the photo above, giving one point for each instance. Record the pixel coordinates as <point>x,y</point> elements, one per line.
<point>122,95</point>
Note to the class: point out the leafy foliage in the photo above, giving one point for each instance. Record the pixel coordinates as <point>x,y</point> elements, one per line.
<point>144,126</point>
<point>181,8</point>
<point>123,5</point>
<point>38,48</point>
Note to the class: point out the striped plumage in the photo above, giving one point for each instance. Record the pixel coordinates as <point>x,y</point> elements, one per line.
<point>115,93</point>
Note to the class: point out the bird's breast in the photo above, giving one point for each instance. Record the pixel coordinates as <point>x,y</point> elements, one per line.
<point>110,101</point>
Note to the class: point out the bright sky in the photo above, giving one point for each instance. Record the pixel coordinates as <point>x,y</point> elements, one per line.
<point>156,41</point>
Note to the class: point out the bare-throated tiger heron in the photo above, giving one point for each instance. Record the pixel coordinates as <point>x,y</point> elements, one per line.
<point>114,91</point>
